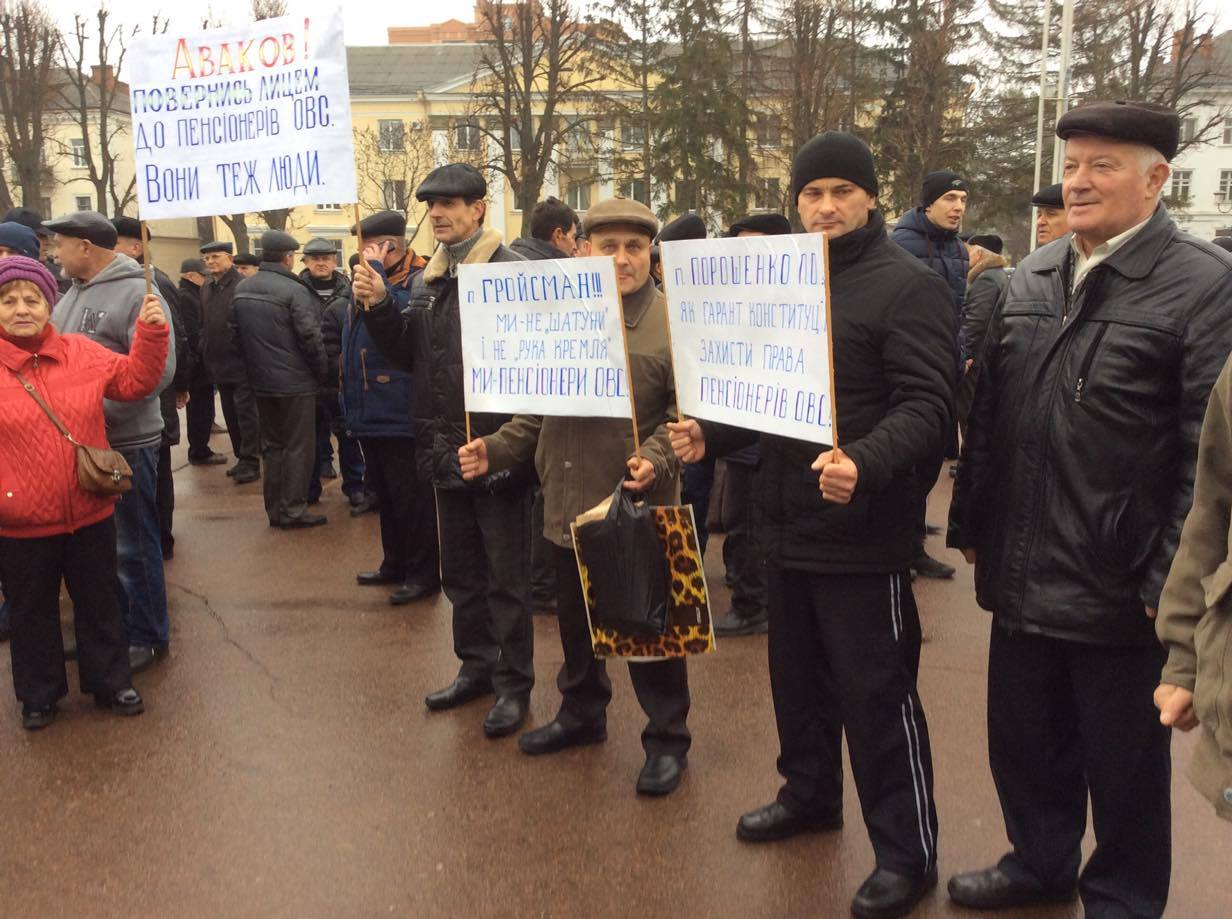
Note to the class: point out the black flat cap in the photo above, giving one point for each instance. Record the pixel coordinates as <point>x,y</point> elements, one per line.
<point>1136,122</point>
<point>217,246</point>
<point>1223,242</point>
<point>769,224</point>
<point>1049,197</point>
<point>192,264</point>
<point>278,241</point>
<point>319,246</point>
<point>27,218</point>
<point>128,226</point>
<point>383,223</point>
<point>247,258</point>
<point>453,180</point>
<point>686,226</point>
<point>88,225</point>
<point>990,241</point>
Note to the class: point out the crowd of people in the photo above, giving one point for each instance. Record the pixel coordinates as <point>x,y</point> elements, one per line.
<point>1083,393</point>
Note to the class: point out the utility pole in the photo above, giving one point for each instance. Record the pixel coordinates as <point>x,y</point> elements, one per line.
<point>1039,119</point>
<point>1067,41</point>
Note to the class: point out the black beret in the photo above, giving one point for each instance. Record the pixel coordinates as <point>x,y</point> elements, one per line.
<point>192,264</point>
<point>27,218</point>
<point>1223,242</point>
<point>278,241</point>
<point>1049,197</point>
<point>453,180</point>
<point>88,225</point>
<point>990,241</point>
<point>382,223</point>
<point>128,226</point>
<point>770,224</point>
<point>686,226</point>
<point>247,258</point>
<point>1136,122</point>
<point>319,246</point>
<point>217,246</point>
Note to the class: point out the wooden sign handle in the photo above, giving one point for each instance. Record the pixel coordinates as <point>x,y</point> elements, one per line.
<point>624,341</point>
<point>147,259</point>
<point>359,242</point>
<point>825,264</point>
<point>671,351</point>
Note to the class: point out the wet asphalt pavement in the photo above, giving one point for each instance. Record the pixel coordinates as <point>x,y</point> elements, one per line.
<point>286,765</point>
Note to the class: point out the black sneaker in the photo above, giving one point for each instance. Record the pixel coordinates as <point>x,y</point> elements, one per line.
<point>33,719</point>
<point>925,566</point>
<point>125,702</point>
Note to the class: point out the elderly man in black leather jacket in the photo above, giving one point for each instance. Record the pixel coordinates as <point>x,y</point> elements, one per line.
<point>1075,480</point>
<point>277,325</point>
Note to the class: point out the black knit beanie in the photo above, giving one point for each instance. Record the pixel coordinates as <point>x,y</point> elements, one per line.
<point>834,155</point>
<point>938,183</point>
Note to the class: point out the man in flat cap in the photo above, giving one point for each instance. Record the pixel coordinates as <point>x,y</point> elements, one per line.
<point>200,409</point>
<point>759,225</point>
<point>844,636</point>
<point>1050,222</point>
<point>103,303</point>
<point>579,460</point>
<point>333,290</point>
<point>175,396</point>
<point>485,523</point>
<point>1076,476</point>
<point>224,361</point>
<point>17,239</point>
<point>276,321</point>
<point>247,264</point>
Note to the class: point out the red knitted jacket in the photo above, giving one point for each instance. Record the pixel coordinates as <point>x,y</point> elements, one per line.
<point>39,494</point>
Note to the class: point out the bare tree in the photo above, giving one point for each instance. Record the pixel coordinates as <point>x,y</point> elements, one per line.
<point>388,160</point>
<point>27,59</point>
<point>531,82</point>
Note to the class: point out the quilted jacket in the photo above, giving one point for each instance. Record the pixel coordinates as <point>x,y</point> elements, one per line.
<point>39,495</point>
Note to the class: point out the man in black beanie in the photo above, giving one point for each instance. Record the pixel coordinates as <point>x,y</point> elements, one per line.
<point>844,633</point>
<point>930,231</point>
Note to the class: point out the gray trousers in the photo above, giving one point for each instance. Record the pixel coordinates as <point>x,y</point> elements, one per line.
<point>289,435</point>
<point>239,408</point>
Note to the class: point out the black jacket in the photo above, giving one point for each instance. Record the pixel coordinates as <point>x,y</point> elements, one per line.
<point>939,248</point>
<point>277,324</point>
<point>1078,468</point>
<point>535,250</point>
<point>224,364</point>
<point>426,338</point>
<point>183,359</point>
<point>190,310</point>
<point>985,284</point>
<point>894,355</point>
<point>333,303</point>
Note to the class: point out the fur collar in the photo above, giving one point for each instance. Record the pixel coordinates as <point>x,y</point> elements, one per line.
<point>438,266</point>
<point>991,260</point>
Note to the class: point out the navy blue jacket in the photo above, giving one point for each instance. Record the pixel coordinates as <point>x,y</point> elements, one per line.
<point>377,399</point>
<point>940,249</point>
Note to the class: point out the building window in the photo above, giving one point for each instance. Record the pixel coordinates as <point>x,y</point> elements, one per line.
<point>393,195</point>
<point>1225,184</point>
<point>686,196</point>
<point>468,137</point>
<point>329,208</point>
<point>636,189</point>
<point>78,151</point>
<point>769,131</point>
<point>1180,184</point>
<point>577,195</point>
<point>82,202</point>
<point>1189,127</point>
<point>515,138</point>
<point>391,136</point>
<point>1227,132</point>
<point>337,249</point>
<point>632,134</point>
<point>767,195</point>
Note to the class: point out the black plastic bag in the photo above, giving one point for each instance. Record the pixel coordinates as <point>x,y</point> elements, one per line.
<point>627,566</point>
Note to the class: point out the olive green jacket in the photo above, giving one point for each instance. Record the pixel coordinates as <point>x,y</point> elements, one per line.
<point>581,460</point>
<point>1195,609</point>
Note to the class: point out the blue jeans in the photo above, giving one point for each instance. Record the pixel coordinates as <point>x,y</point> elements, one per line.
<point>141,588</point>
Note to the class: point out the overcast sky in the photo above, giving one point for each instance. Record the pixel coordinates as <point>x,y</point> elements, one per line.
<point>366,22</point>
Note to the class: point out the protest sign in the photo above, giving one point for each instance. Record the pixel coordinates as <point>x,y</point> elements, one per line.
<point>544,338</point>
<point>750,332</point>
<point>242,119</point>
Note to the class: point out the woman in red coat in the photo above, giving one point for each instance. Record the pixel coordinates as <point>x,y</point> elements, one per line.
<point>50,528</point>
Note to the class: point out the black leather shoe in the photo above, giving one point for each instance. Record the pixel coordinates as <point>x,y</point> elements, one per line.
<point>125,702</point>
<point>142,657</point>
<point>926,566</point>
<point>774,822</point>
<point>661,774</point>
<point>409,593</point>
<point>734,624</point>
<point>554,737</point>
<point>364,506</point>
<point>32,719</point>
<point>992,888</point>
<point>373,578</point>
<point>245,474</point>
<point>886,895</point>
<point>506,716</point>
<point>304,522</point>
<point>462,690</point>
<point>214,459</point>
<point>232,470</point>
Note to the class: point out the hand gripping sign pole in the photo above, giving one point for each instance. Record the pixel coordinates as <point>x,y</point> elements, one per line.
<point>149,259</point>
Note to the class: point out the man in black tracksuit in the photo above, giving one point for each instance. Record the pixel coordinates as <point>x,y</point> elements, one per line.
<point>485,523</point>
<point>844,635</point>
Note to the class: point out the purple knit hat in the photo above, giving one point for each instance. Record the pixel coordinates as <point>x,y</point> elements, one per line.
<point>20,268</point>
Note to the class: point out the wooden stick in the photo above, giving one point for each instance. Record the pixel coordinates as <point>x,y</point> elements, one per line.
<point>624,338</point>
<point>147,259</point>
<point>359,241</point>
<point>825,262</point>
<point>670,349</point>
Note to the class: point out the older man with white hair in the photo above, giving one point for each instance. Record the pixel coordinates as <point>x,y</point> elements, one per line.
<point>1076,477</point>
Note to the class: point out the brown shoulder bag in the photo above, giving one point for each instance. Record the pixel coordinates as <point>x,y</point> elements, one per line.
<point>99,470</point>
